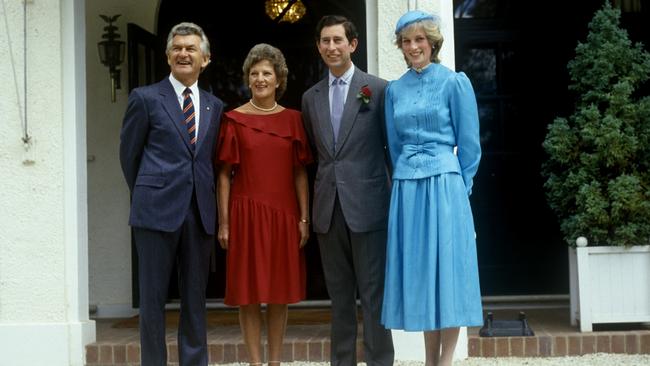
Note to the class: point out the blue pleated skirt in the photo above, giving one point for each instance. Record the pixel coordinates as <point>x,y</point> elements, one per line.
<point>431,267</point>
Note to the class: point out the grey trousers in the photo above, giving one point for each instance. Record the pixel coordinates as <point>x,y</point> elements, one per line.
<point>355,261</point>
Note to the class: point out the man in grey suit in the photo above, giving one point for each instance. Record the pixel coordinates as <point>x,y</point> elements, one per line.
<point>343,116</point>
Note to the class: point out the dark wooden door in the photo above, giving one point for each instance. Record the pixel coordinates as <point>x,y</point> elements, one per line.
<point>519,247</point>
<point>146,60</point>
<point>520,85</point>
<point>516,55</point>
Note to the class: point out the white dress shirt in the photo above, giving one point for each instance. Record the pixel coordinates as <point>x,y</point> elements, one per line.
<point>196,100</point>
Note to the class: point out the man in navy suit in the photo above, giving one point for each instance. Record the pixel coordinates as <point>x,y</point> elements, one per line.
<point>167,150</point>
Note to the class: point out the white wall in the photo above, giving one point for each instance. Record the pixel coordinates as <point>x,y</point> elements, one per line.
<point>391,63</point>
<point>108,195</point>
<point>43,261</point>
<point>31,228</point>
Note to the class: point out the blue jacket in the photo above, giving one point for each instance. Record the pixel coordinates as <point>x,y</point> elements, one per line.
<point>428,114</point>
<point>161,168</point>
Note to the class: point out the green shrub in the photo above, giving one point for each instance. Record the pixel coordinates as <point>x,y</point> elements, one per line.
<point>597,172</point>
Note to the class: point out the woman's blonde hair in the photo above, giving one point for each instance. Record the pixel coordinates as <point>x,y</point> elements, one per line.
<point>431,30</point>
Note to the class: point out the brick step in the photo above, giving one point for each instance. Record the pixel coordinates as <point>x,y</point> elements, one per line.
<point>557,345</point>
<point>118,341</point>
<point>107,354</point>
<point>121,347</point>
<point>316,349</point>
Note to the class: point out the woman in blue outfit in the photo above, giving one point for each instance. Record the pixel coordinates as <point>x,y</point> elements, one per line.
<point>433,136</point>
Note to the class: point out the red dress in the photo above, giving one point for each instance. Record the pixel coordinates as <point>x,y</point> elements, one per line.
<point>264,261</point>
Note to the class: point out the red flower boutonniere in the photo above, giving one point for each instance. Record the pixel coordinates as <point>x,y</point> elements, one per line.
<point>365,94</point>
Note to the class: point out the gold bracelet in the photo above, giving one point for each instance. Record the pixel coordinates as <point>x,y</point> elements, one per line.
<point>304,221</point>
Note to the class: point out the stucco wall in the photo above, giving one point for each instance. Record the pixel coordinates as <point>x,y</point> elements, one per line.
<point>31,195</point>
<point>391,62</point>
<point>43,259</point>
<point>108,196</point>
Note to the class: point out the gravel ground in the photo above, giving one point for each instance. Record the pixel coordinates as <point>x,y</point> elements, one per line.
<point>598,359</point>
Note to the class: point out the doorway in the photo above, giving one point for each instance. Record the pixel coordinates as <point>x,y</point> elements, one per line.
<point>516,54</point>
<point>233,27</point>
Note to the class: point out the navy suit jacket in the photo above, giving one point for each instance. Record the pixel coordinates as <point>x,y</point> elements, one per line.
<point>161,168</point>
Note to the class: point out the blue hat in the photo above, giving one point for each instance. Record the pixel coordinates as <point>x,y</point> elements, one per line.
<point>412,17</point>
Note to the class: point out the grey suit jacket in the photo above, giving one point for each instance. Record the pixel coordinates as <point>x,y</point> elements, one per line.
<point>357,167</point>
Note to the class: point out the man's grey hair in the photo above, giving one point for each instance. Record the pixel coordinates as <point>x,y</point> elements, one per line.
<point>187,29</point>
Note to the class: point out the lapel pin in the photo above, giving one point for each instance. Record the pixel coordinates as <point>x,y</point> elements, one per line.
<point>208,108</point>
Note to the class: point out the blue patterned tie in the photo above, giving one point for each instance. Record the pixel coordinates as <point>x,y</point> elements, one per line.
<point>338,100</point>
<point>188,113</point>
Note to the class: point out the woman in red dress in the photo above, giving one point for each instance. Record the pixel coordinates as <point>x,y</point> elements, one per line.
<point>263,199</point>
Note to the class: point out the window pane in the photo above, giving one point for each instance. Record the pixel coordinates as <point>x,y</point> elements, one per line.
<point>509,70</point>
<point>475,8</point>
<point>480,65</point>
<point>490,120</point>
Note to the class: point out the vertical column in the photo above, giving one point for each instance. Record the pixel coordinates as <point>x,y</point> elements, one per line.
<point>81,330</point>
<point>372,36</point>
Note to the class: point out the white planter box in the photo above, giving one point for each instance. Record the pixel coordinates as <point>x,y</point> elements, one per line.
<point>609,285</point>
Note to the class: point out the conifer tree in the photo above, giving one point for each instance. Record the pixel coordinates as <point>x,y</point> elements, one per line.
<point>598,170</point>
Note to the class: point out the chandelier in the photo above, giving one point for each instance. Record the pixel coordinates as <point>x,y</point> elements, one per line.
<point>286,10</point>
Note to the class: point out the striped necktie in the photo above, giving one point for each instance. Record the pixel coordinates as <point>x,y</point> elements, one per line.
<point>188,113</point>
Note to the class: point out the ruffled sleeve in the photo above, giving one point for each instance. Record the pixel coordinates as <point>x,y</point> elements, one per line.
<point>301,151</point>
<point>464,118</point>
<point>228,146</point>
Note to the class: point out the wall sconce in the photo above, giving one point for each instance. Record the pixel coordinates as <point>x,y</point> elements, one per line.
<point>111,52</point>
<point>285,10</point>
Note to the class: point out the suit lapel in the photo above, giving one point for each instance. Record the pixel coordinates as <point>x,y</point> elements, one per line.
<point>204,119</point>
<point>173,109</point>
<point>351,108</point>
<point>323,111</point>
